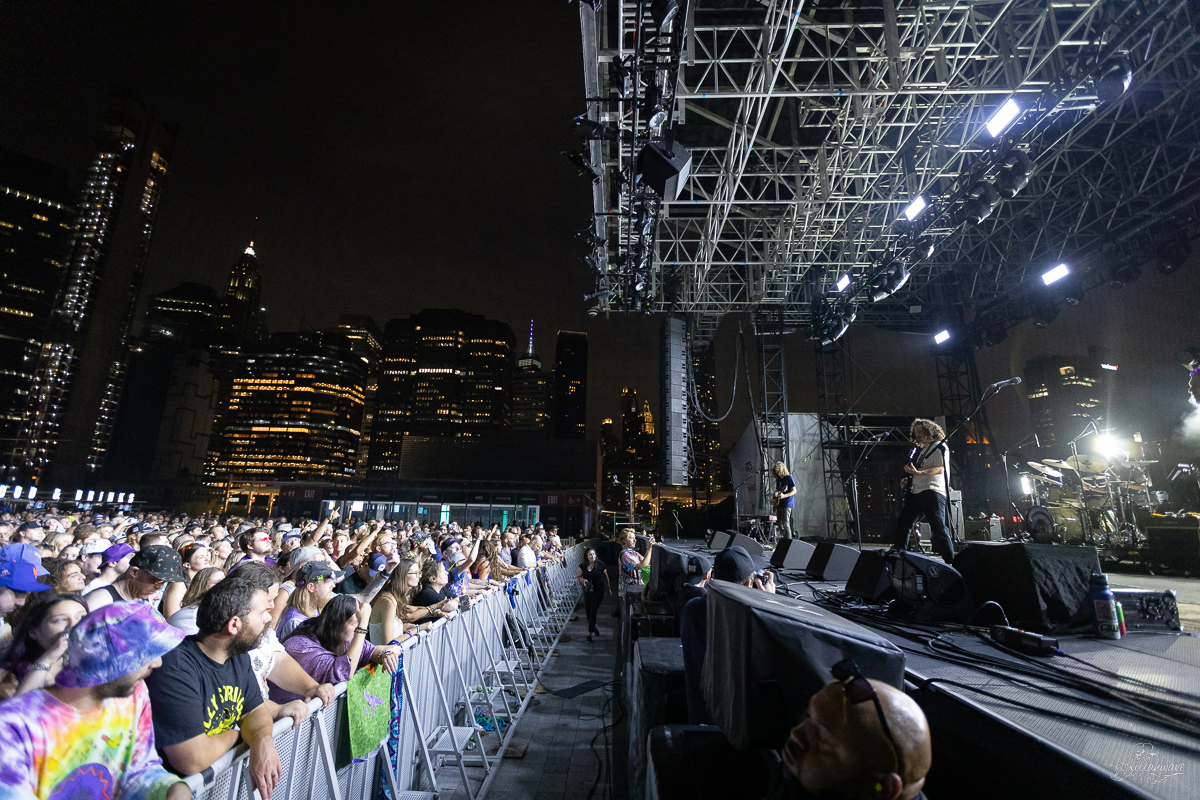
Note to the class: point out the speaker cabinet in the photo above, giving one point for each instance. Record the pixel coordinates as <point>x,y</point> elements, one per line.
<point>792,554</point>
<point>870,579</point>
<point>751,544</point>
<point>664,169</point>
<point>720,540</point>
<point>1173,542</point>
<point>832,562</point>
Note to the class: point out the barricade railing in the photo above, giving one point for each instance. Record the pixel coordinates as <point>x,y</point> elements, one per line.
<point>462,687</point>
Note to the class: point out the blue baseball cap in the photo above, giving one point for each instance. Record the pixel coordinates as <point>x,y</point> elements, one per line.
<point>20,576</point>
<point>376,563</point>
<point>20,551</point>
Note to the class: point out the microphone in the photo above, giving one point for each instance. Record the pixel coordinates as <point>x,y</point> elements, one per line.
<point>1009,382</point>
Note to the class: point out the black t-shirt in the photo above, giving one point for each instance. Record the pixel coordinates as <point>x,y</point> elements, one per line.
<point>191,694</point>
<point>430,596</point>
<point>594,576</point>
<point>351,584</point>
<point>784,786</point>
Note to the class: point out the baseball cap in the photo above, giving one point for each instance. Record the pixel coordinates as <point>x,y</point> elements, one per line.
<point>292,534</point>
<point>733,564</point>
<point>301,556</point>
<point>313,572</point>
<point>697,567</point>
<point>31,525</point>
<point>162,562</point>
<point>284,526</point>
<point>114,641</point>
<point>20,551</point>
<point>376,564</point>
<point>98,518</point>
<point>95,547</point>
<point>20,576</point>
<point>116,552</point>
<point>456,558</point>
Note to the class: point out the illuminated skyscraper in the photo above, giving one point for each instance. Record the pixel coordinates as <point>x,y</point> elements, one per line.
<point>445,373</point>
<point>1065,393</point>
<point>531,392</point>
<point>569,386</point>
<point>294,411</point>
<point>36,221</point>
<point>237,324</point>
<point>81,370</point>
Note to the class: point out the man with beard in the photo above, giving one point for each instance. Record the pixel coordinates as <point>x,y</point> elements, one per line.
<point>91,732</point>
<point>861,740</point>
<point>206,689</point>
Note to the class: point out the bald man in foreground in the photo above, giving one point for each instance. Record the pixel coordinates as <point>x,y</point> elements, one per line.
<point>861,740</point>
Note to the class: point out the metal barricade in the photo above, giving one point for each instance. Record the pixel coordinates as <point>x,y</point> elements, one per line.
<point>477,660</point>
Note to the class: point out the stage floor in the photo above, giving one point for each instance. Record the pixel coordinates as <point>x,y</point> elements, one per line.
<point>1139,758</point>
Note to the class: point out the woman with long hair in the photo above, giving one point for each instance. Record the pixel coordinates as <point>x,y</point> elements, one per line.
<point>493,567</point>
<point>435,593</point>
<point>333,646</point>
<point>594,580</point>
<point>195,557</point>
<point>66,577</point>
<point>189,604</point>
<point>39,643</point>
<point>394,611</point>
<point>314,588</point>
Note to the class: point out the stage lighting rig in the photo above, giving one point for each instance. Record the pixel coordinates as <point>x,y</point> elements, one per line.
<point>982,199</point>
<point>830,322</point>
<point>1015,168</point>
<point>1115,77</point>
<point>621,76</point>
<point>1045,311</point>
<point>591,129</point>
<point>1004,116</point>
<point>664,12</point>
<point>889,280</point>
<point>1055,274</point>
<point>942,336</point>
<point>1122,269</point>
<point>583,165</point>
<point>914,209</point>
<point>1172,252</point>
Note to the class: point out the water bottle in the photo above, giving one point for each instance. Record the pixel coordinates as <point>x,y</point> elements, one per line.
<point>1102,600</point>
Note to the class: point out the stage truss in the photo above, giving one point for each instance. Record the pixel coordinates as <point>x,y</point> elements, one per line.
<point>813,124</point>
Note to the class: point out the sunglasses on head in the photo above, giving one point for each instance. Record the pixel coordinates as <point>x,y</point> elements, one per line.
<point>859,690</point>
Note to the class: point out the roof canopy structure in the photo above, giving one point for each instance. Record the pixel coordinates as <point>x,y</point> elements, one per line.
<point>813,124</point>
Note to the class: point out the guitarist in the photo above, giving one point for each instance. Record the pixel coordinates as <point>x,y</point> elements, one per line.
<point>926,488</point>
<point>785,499</point>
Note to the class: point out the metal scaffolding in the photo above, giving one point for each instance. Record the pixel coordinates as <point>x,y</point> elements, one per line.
<point>812,125</point>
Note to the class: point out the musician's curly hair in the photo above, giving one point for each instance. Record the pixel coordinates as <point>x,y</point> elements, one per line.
<point>931,427</point>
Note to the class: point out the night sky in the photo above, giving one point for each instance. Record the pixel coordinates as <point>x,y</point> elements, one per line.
<point>408,157</point>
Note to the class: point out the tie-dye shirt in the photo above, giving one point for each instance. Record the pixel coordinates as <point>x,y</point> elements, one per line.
<point>53,751</point>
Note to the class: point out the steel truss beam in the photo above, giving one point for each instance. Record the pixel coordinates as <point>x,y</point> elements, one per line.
<point>811,126</point>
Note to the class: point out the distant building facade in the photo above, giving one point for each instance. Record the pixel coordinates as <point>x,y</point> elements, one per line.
<point>531,392</point>
<point>294,411</point>
<point>569,386</point>
<point>36,224</point>
<point>81,372</point>
<point>445,373</point>
<point>711,472</point>
<point>1067,392</point>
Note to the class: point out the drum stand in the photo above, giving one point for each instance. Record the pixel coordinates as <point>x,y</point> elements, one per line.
<point>1085,518</point>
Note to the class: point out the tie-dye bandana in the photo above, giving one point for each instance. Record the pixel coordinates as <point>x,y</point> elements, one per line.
<point>54,752</point>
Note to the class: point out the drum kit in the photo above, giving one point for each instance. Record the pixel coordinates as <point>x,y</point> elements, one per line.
<point>1086,499</point>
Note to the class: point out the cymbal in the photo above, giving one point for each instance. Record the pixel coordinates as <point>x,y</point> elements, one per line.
<point>1054,462</point>
<point>1042,468</point>
<point>1094,464</point>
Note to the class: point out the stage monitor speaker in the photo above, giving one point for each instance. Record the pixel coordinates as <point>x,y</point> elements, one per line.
<point>1041,587</point>
<point>918,579</point>
<point>870,579</point>
<point>792,554</point>
<point>1173,542</point>
<point>748,542</point>
<point>832,562</point>
<point>720,540</point>
<point>767,654</point>
<point>674,414</point>
<point>665,169</point>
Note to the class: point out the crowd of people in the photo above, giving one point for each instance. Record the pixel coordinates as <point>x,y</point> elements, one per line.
<point>139,649</point>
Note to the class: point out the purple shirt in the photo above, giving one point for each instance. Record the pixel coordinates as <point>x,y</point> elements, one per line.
<point>322,665</point>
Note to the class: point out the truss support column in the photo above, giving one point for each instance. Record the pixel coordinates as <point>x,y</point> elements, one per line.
<point>833,417</point>
<point>958,386</point>
<point>773,421</point>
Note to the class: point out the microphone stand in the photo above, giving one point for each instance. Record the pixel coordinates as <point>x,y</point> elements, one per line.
<point>1008,479</point>
<point>988,394</point>
<point>1084,517</point>
<point>737,522</point>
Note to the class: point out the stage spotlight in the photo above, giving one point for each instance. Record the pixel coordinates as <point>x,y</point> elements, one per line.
<point>1115,77</point>
<point>983,199</point>
<point>835,325</point>
<point>590,129</point>
<point>941,337</point>
<point>1014,173</point>
<point>655,109</point>
<point>890,280</point>
<point>843,282</point>
<point>1121,275</point>
<point>620,76</point>
<point>994,335</point>
<point>915,208</point>
<point>583,165</point>
<point>1044,313</point>
<point>1058,273</point>
<point>1003,117</point>
<point>1072,293</point>
<point>664,11</point>
<point>1172,252</point>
